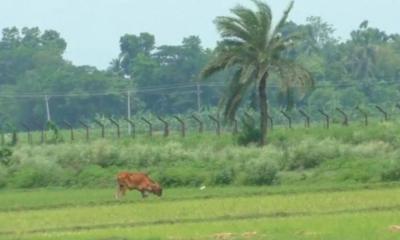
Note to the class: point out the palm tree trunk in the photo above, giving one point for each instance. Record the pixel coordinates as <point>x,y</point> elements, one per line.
<point>263,109</point>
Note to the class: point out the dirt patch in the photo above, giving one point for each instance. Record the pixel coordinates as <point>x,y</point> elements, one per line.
<point>224,236</point>
<point>249,235</point>
<point>394,228</point>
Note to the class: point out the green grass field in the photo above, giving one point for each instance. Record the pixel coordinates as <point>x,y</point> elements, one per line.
<point>287,212</point>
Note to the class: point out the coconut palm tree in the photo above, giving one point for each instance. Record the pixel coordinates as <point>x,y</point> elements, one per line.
<point>253,49</point>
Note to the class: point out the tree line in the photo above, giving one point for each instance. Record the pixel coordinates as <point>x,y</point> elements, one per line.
<point>165,79</point>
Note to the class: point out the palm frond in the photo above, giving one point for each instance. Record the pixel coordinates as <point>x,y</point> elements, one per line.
<point>235,94</point>
<point>264,15</point>
<point>283,20</point>
<point>230,27</point>
<point>294,75</point>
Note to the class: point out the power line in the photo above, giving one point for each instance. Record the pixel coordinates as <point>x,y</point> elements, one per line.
<point>144,90</point>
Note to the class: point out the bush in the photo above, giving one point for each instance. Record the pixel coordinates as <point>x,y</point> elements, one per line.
<point>33,174</point>
<point>94,175</point>
<point>182,176</point>
<point>260,172</point>
<point>5,154</point>
<point>310,153</point>
<point>392,173</point>
<point>104,154</point>
<point>224,176</point>
<point>250,133</point>
<point>3,177</point>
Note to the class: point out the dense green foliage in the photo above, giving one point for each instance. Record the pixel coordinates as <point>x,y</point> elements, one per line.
<point>163,78</point>
<point>301,156</point>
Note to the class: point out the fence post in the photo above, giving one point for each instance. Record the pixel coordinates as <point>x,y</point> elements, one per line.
<point>365,115</point>
<point>326,116</point>
<point>218,124</point>
<point>269,117</point>
<point>385,114</point>
<point>2,136</point>
<point>345,117</point>
<point>288,118</point>
<point>150,126</point>
<point>117,125</point>
<point>86,128</point>
<point>235,126</point>
<point>14,134</point>
<point>199,122</point>
<point>41,127</point>
<point>248,115</point>
<point>70,128</point>
<point>132,124</point>
<point>183,129</point>
<point>250,118</point>
<point>166,126</point>
<point>28,130</point>
<point>101,126</point>
<point>306,118</point>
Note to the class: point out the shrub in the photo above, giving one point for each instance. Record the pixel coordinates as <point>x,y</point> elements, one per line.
<point>224,176</point>
<point>392,173</point>
<point>260,172</point>
<point>5,154</point>
<point>181,176</point>
<point>37,175</point>
<point>310,153</point>
<point>104,154</point>
<point>250,133</point>
<point>3,177</point>
<point>94,175</point>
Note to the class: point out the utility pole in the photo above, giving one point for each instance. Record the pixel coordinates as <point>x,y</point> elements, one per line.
<point>198,97</point>
<point>129,110</point>
<point>46,99</point>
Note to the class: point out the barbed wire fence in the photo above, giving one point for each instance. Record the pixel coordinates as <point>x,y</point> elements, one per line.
<point>131,125</point>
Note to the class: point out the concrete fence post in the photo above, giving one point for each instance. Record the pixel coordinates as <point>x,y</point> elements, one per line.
<point>116,124</point>
<point>345,117</point>
<point>288,118</point>
<point>364,114</point>
<point>326,117</point>
<point>306,118</point>
<point>183,128</point>
<point>235,127</point>
<point>271,121</point>
<point>218,124</point>
<point>86,129</point>
<point>28,131</point>
<point>132,125</point>
<point>101,125</point>
<point>150,126</point>
<point>166,126</point>
<point>199,122</point>
<point>71,129</point>
<point>385,114</point>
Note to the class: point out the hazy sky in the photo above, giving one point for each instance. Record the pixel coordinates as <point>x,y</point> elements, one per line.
<point>92,28</point>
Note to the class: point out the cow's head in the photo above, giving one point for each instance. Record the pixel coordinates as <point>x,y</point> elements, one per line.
<point>156,189</point>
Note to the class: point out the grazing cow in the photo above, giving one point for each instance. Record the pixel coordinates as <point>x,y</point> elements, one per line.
<point>138,181</point>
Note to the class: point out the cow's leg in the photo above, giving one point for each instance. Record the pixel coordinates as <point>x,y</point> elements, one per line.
<point>123,190</point>
<point>144,194</point>
<point>120,191</point>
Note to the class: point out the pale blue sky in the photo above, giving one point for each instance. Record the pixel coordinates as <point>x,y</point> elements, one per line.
<point>92,28</point>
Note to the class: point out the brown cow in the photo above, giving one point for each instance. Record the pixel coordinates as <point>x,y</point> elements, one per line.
<point>139,181</point>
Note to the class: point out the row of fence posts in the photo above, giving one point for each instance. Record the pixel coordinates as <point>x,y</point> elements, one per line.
<point>132,132</point>
<point>166,130</point>
<point>327,117</point>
